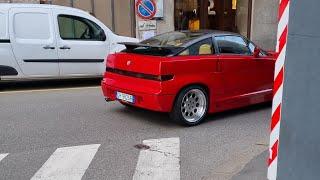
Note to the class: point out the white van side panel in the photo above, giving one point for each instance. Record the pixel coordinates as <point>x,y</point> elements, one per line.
<point>7,59</point>
<point>3,26</point>
<point>32,36</point>
<point>45,64</point>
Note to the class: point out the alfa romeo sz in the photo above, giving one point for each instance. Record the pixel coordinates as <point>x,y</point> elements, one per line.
<point>189,74</point>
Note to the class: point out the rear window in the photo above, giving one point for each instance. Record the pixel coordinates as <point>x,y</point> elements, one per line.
<point>3,26</point>
<point>176,39</point>
<point>164,44</point>
<point>138,48</point>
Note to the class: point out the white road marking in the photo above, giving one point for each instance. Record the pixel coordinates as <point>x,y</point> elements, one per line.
<point>48,90</point>
<point>69,163</point>
<point>2,156</point>
<point>161,161</point>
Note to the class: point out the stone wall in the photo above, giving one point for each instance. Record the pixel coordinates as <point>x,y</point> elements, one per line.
<point>264,23</point>
<point>164,25</point>
<point>167,24</point>
<point>242,17</point>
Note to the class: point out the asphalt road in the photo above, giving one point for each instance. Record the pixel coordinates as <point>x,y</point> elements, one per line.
<point>38,118</point>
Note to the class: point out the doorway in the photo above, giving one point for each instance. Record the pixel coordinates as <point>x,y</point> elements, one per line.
<point>221,15</point>
<point>225,15</point>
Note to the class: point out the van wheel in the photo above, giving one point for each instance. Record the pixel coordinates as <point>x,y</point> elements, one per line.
<point>191,106</point>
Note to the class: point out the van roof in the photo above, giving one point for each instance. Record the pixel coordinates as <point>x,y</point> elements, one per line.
<point>7,6</point>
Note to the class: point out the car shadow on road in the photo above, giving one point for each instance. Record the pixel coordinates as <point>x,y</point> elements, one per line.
<point>236,112</point>
<point>163,119</point>
<point>142,115</point>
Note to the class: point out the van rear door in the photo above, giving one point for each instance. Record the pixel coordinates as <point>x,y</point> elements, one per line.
<point>33,41</point>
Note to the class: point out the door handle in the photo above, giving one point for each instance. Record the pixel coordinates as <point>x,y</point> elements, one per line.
<point>65,47</point>
<point>48,47</point>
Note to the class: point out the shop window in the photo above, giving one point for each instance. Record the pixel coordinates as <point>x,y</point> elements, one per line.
<point>187,15</point>
<point>225,15</point>
<point>234,4</point>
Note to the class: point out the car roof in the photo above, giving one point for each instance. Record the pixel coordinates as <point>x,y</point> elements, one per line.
<point>7,6</point>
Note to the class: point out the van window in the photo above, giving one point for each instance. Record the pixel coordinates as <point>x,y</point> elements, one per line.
<point>32,25</point>
<point>3,25</point>
<point>77,28</point>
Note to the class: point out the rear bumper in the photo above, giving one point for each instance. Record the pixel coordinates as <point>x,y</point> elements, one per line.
<point>146,100</point>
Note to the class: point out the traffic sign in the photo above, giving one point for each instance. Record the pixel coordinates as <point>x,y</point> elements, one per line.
<point>146,9</point>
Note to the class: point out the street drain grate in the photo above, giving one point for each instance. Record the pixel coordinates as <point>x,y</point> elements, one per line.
<point>142,146</point>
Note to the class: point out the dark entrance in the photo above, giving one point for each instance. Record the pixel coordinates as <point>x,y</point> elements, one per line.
<point>211,14</point>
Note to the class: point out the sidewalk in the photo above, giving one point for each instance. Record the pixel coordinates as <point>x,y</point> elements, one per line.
<point>256,169</point>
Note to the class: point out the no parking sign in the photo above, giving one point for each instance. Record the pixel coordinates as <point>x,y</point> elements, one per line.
<point>146,9</point>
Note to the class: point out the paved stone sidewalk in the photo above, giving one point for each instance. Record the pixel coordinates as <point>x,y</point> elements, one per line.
<point>256,169</point>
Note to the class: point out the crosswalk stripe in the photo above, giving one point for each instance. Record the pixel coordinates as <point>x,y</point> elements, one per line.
<point>160,161</point>
<point>2,156</point>
<point>69,163</point>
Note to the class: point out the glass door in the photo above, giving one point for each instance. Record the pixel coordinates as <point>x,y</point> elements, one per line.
<point>186,15</point>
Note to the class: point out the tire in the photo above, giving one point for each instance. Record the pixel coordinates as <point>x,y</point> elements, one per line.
<point>191,106</point>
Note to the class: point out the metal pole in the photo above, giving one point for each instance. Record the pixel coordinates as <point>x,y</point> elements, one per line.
<point>250,6</point>
<point>113,16</point>
<point>93,8</point>
<point>133,18</point>
<point>71,3</point>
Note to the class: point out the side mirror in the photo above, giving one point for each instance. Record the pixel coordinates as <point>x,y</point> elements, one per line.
<point>256,52</point>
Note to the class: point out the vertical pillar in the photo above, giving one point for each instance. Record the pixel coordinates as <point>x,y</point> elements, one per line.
<point>133,18</point>
<point>113,16</point>
<point>299,147</point>
<point>249,21</point>
<point>93,8</point>
<point>203,14</point>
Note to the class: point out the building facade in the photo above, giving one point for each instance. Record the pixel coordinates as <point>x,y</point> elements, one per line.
<point>255,19</point>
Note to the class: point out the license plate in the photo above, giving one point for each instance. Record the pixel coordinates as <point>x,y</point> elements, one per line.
<point>125,97</point>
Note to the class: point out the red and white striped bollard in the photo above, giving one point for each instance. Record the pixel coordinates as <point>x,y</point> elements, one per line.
<point>282,37</point>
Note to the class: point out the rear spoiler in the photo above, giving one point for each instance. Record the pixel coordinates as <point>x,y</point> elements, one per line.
<point>167,49</point>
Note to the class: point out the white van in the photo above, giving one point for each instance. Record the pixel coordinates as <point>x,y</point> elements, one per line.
<point>52,42</point>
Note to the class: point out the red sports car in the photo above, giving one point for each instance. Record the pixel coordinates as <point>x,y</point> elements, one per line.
<point>189,74</point>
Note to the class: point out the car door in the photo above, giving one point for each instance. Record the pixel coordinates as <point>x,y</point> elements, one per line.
<point>237,65</point>
<point>82,44</point>
<point>264,70</point>
<point>207,71</point>
<point>33,41</point>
